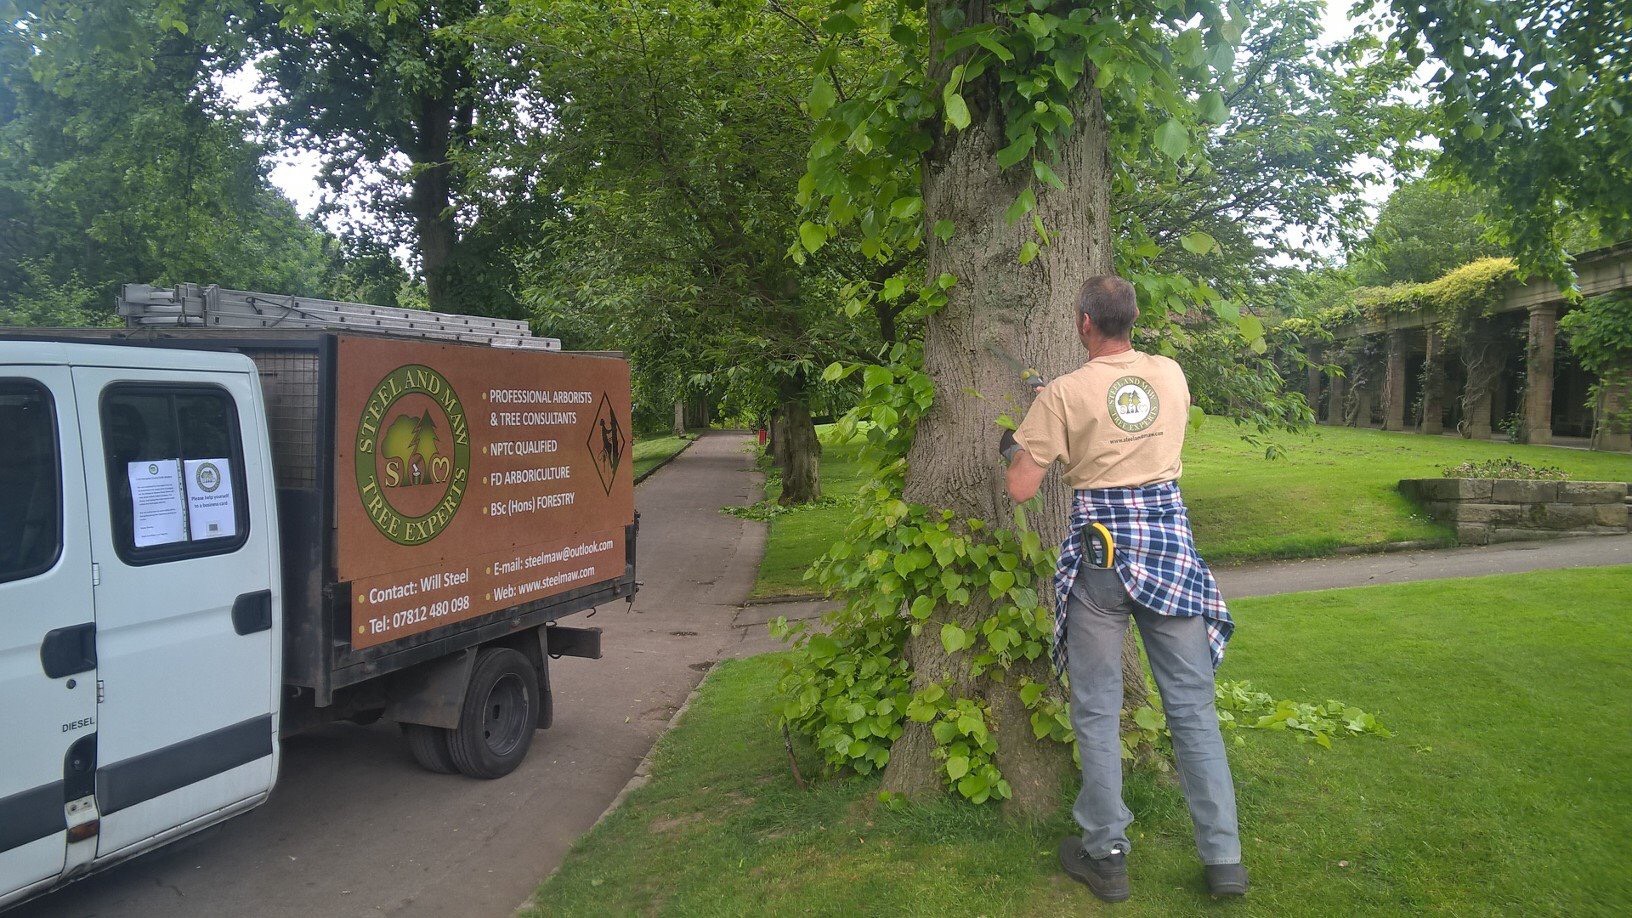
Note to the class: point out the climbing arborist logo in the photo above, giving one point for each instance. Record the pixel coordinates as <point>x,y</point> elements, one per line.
<point>413,454</point>
<point>606,443</point>
<point>1133,404</point>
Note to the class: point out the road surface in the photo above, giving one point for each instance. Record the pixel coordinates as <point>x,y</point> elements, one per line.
<point>354,827</point>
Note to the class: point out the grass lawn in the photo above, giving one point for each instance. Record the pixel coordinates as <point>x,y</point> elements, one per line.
<point>1333,488</point>
<point>1504,791</point>
<point>801,537</point>
<point>650,452</point>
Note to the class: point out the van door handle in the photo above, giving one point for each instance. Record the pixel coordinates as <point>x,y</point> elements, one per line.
<point>67,651</point>
<point>252,612</point>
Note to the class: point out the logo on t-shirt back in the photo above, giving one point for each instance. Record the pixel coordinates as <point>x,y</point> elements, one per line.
<point>1132,403</point>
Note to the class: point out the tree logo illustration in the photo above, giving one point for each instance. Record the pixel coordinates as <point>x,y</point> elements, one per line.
<point>412,455</point>
<point>1132,403</point>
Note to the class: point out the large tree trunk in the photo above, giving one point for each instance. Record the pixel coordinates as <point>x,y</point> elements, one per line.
<point>799,454</point>
<point>1002,317</point>
<point>430,197</point>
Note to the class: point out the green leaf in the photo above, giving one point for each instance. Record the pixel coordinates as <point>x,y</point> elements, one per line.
<point>1014,152</point>
<point>906,208</point>
<point>1172,139</point>
<point>957,766</point>
<point>922,607</point>
<point>1198,243</point>
<point>1252,327</point>
<point>833,372</point>
<point>954,639</point>
<point>1045,174</point>
<point>812,235</point>
<point>1028,252</point>
<point>1213,108</point>
<point>957,111</point>
<point>943,230</point>
<point>1022,205</point>
<point>1002,580</point>
<point>1148,718</point>
<point>1030,693</point>
<point>1197,416</point>
<point>973,786</point>
<point>821,97</point>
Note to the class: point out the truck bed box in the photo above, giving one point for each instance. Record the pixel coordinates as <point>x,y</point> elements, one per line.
<point>434,495</point>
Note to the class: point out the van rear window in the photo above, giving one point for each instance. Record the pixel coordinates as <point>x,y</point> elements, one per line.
<point>175,472</point>
<point>30,481</point>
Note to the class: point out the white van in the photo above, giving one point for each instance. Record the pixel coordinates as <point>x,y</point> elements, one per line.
<point>175,590</point>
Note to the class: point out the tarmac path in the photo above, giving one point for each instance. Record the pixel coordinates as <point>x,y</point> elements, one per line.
<point>354,827</point>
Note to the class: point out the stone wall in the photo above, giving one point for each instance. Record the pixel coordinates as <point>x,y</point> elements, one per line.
<point>1487,510</point>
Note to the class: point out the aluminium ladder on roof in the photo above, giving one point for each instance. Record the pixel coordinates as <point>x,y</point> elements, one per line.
<point>195,306</point>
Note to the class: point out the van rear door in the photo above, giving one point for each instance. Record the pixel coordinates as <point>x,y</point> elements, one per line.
<point>47,630</point>
<point>178,475</point>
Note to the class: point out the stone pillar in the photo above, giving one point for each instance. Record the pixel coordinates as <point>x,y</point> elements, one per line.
<point>1394,383</point>
<point>1476,423</point>
<point>1311,388</point>
<point>1612,423</point>
<point>1433,400</point>
<point>1334,401</point>
<point>1538,382</point>
<point>679,416</point>
<point>1364,398</point>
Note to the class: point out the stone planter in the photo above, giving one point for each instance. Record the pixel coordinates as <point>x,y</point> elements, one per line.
<point>1487,510</point>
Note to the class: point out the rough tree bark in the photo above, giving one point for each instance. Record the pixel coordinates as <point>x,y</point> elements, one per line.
<point>430,196</point>
<point>797,453</point>
<point>1002,316</point>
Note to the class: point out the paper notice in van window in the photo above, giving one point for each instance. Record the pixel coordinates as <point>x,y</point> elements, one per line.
<point>157,511</point>
<point>210,510</point>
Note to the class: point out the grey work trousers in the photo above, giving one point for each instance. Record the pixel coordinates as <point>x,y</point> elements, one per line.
<point>1098,613</point>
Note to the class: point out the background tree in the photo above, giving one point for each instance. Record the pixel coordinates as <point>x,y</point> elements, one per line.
<point>1424,230</point>
<point>677,139</point>
<point>121,162</point>
<point>397,97</point>
<point>1532,104</point>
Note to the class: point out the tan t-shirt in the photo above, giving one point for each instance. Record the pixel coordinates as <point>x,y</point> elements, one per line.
<point>1116,423</point>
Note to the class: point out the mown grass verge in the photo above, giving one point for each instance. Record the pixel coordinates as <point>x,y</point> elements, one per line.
<point>1504,790</point>
<point>651,452</point>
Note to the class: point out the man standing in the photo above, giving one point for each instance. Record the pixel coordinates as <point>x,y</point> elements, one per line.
<point>1117,427</point>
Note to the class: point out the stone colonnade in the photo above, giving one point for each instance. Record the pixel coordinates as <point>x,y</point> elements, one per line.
<point>1481,358</point>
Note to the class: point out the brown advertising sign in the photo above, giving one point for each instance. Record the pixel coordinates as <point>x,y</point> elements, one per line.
<point>471,479</point>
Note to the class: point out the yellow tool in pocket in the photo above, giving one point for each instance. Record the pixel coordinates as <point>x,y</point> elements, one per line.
<point>1099,548</point>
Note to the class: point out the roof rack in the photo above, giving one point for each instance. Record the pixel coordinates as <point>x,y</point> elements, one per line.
<point>195,306</point>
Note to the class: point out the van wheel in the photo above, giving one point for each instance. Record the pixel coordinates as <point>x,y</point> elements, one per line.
<point>500,713</point>
<point>430,748</point>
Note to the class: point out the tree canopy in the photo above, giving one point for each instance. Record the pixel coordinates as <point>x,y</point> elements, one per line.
<point>1533,98</point>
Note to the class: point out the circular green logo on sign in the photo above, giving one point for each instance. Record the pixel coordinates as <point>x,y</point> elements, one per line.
<point>208,477</point>
<point>1133,404</point>
<point>412,454</point>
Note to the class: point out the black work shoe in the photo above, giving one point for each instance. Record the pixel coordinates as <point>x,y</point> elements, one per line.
<point>1106,876</point>
<point>1226,879</point>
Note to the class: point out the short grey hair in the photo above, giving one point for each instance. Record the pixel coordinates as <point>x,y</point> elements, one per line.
<point>1110,303</point>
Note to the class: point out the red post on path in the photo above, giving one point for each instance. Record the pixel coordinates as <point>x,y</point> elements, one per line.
<point>762,436</point>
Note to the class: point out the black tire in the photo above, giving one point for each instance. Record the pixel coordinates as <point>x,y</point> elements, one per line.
<point>498,717</point>
<point>430,748</point>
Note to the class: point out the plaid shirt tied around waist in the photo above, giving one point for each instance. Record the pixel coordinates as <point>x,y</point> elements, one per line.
<point>1155,558</point>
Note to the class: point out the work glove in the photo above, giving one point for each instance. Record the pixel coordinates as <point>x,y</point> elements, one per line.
<point>1007,446</point>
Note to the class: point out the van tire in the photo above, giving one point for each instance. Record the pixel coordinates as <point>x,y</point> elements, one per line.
<point>430,748</point>
<point>500,712</point>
